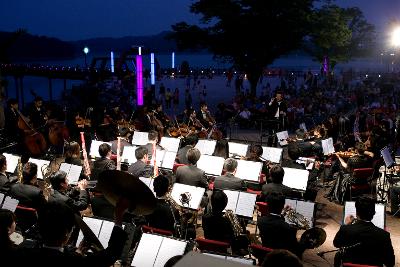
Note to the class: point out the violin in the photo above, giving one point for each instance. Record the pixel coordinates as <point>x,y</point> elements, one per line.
<point>345,154</point>
<point>81,122</point>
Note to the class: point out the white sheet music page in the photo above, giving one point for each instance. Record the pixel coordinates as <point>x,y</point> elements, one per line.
<point>128,155</point>
<point>378,219</point>
<point>10,203</point>
<point>233,197</point>
<point>282,138</point>
<point>168,249</point>
<point>245,205</point>
<point>206,147</point>
<point>170,144</point>
<point>327,146</point>
<point>40,163</point>
<point>168,160</point>
<point>240,260</point>
<point>306,209</point>
<point>248,170</point>
<point>105,233</point>
<point>140,138</point>
<point>211,165</point>
<point>74,173</point>
<point>308,162</point>
<point>273,154</point>
<point>237,148</point>
<point>12,162</point>
<point>196,194</point>
<point>148,182</point>
<point>296,178</point>
<point>94,148</point>
<point>159,157</point>
<point>94,225</point>
<point>147,250</point>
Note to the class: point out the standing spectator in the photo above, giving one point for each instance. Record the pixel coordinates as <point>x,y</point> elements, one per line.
<point>188,99</point>
<point>161,94</point>
<point>176,99</point>
<point>168,98</point>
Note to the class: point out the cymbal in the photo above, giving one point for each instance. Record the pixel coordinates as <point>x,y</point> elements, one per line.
<point>313,237</point>
<point>115,184</point>
<point>88,234</point>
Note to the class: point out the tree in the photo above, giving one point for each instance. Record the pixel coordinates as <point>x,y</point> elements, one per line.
<point>339,34</point>
<point>235,30</point>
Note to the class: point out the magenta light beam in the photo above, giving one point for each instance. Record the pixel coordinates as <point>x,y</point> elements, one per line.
<point>139,80</point>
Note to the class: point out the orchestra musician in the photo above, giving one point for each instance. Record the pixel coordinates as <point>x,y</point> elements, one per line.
<point>141,168</point>
<point>228,180</point>
<point>153,140</point>
<point>11,120</point>
<point>4,180</point>
<point>37,114</point>
<point>104,163</point>
<point>190,174</point>
<point>275,186</point>
<point>205,117</point>
<point>124,134</point>
<point>190,141</point>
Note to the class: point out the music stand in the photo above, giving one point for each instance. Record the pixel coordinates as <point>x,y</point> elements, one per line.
<point>389,163</point>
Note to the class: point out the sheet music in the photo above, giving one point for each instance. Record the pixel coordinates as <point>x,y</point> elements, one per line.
<point>105,232</point>
<point>233,197</point>
<point>73,172</point>
<point>159,157</point>
<point>245,204</point>
<point>327,146</point>
<point>248,170</point>
<point>128,155</point>
<point>273,154</point>
<point>94,225</point>
<point>306,209</point>
<point>195,192</point>
<point>282,138</point>
<point>206,147</point>
<point>140,138</point>
<point>1,198</point>
<point>308,162</point>
<point>211,165</point>
<point>291,202</point>
<point>147,250</point>
<point>168,160</point>
<point>239,149</point>
<point>94,148</point>
<point>295,178</point>
<point>170,144</point>
<point>10,203</point>
<point>148,182</point>
<point>240,260</point>
<point>39,163</point>
<point>378,219</point>
<point>65,167</point>
<point>168,249</point>
<point>12,162</point>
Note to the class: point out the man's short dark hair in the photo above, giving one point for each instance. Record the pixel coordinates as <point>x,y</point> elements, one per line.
<point>12,101</point>
<point>153,135</point>
<point>140,152</point>
<point>277,173</point>
<point>104,149</point>
<point>365,208</point>
<point>300,133</point>
<point>3,161</point>
<point>55,221</point>
<point>191,139</point>
<point>281,258</point>
<point>276,202</point>
<point>230,164</point>
<point>58,178</point>
<point>219,200</point>
<point>193,155</point>
<point>161,185</point>
<point>257,150</point>
<point>293,151</point>
<point>360,147</point>
<point>203,104</point>
<point>29,172</point>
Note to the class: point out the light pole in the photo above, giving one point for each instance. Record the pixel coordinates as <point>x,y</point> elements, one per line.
<point>86,51</point>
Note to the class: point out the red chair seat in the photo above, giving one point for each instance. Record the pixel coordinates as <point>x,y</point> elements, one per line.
<point>176,166</point>
<point>259,251</point>
<point>262,208</point>
<point>153,230</point>
<point>212,245</point>
<point>258,193</point>
<point>347,264</point>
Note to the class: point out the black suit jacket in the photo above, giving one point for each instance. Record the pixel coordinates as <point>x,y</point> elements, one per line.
<point>78,203</point>
<point>101,165</point>
<point>277,234</point>
<point>217,227</point>
<point>11,123</point>
<point>3,180</point>
<point>273,108</point>
<point>28,195</point>
<point>191,175</point>
<point>230,182</point>
<point>162,216</point>
<point>50,257</point>
<point>375,245</point>
<point>277,188</point>
<point>141,169</point>
<point>181,155</point>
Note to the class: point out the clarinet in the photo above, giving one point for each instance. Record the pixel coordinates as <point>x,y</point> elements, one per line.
<point>86,166</point>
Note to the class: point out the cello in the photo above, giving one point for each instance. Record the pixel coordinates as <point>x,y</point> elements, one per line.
<point>33,140</point>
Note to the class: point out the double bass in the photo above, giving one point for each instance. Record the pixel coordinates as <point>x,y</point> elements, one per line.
<point>33,140</point>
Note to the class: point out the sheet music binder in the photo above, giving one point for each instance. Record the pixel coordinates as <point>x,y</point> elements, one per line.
<point>241,203</point>
<point>237,148</point>
<point>378,220</point>
<point>305,208</point>
<point>211,165</point>
<point>282,138</point>
<point>73,172</point>
<point>170,144</point>
<point>12,162</point>
<point>40,163</point>
<point>387,157</point>
<point>248,170</point>
<point>94,148</point>
<point>206,147</point>
<point>155,250</point>
<point>128,155</point>
<point>8,203</point>
<point>140,138</point>
<point>327,146</point>
<point>295,178</point>
<point>196,194</point>
<point>273,154</point>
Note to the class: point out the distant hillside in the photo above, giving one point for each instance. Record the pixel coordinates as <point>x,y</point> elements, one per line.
<point>156,43</point>
<point>25,46</point>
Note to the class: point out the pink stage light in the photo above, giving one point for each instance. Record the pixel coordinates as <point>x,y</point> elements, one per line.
<point>139,80</point>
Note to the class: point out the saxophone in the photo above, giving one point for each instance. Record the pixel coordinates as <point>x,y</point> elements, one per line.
<point>19,170</point>
<point>46,172</point>
<point>296,218</point>
<point>234,220</point>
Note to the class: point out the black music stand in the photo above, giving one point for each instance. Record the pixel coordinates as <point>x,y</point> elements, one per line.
<point>389,163</point>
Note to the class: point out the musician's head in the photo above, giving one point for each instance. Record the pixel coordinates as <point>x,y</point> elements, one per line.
<point>193,155</point>
<point>7,226</point>
<point>203,106</point>
<point>29,173</point>
<point>276,202</point>
<point>230,165</point>
<point>73,150</point>
<point>105,150</point>
<point>161,185</point>
<point>281,258</point>
<point>56,222</point>
<point>256,152</point>
<point>365,208</point>
<point>159,107</point>
<point>277,173</point>
<point>191,140</point>
<point>300,134</point>
<point>38,101</point>
<point>320,131</point>
<point>124,132</point>
<point>360,148</point>
<point>219,200</point>
<point>141,153</point>
<point>293,151</point>
<point>13,103</point>
<point>59,181</point>
<point>221,149</point>
<point>153,136</point>
<point>279,96</point>
<point>3,163</point>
